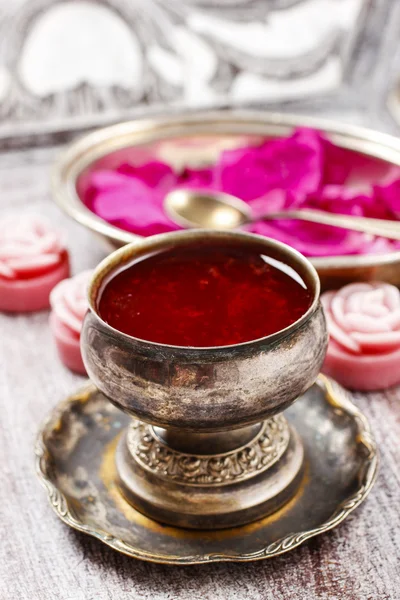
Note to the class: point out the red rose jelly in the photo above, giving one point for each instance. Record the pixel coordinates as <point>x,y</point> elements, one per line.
<point>204,295</point>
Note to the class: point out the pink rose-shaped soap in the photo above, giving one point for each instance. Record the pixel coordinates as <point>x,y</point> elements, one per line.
<point>33,260</point>
<point>69,305</point>
<point>364,327</point>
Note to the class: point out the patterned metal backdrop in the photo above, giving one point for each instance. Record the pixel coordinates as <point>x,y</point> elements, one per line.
<point>65,63</point>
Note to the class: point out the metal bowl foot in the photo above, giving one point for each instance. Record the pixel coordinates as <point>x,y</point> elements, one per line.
<point>209,491</point>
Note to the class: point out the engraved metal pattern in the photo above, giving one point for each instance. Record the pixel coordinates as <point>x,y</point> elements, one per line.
<point>217,469</point>
<point>337,402</point>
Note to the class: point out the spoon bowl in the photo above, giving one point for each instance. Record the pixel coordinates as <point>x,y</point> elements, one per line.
<point>206,209</point>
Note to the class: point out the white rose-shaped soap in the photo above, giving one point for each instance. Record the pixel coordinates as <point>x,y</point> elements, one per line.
<point>364,326</point>
<point>33,259</point>
<point>28,247</point>
<point>69,305</point>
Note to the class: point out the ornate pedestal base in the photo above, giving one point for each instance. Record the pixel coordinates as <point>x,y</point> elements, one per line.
<point>209,481</point>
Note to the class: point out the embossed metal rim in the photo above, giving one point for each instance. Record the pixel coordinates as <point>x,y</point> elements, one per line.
<point>93,146</point>
<point>138,428</point>
<point>335,396</point>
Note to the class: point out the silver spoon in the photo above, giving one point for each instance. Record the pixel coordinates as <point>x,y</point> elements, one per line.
<point>217,210</point>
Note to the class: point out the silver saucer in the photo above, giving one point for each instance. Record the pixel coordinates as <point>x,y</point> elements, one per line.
<point>75,453</point>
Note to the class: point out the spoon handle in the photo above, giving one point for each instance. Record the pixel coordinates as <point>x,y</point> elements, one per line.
<point>381,227</point>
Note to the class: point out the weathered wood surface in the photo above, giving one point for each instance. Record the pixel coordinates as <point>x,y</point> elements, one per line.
<point>42,559</point>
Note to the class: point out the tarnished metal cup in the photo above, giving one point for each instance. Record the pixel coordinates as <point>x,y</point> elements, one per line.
<point>208,447</point>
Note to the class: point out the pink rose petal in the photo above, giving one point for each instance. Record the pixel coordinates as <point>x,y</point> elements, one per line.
<point>293,163</point>
<point>156,175</point>
<point>389,197</point>
<point>197,178</point>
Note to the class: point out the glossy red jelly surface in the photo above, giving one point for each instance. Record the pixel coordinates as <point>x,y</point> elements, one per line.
<point>204,296</point>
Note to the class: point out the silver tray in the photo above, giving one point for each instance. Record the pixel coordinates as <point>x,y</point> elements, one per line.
<point>75,462</point>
